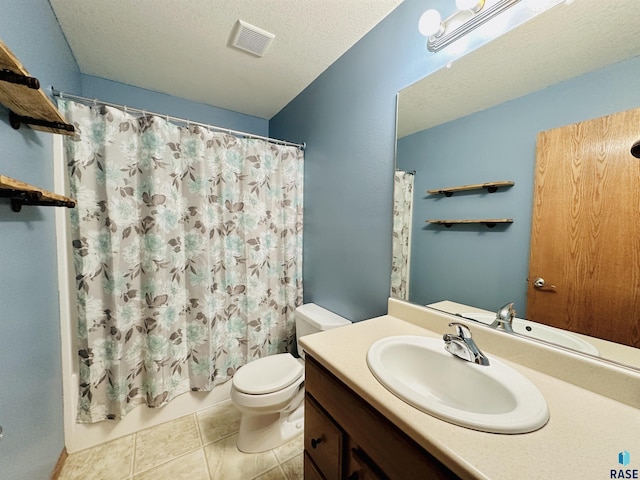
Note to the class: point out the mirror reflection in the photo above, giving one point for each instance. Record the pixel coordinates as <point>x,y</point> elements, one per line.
<point>478,122</point>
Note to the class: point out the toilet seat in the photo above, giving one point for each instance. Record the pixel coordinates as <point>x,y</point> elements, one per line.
<point>268,374</point>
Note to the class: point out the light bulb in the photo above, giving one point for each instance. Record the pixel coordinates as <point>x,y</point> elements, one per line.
<point>473,5</point>
<point>430,24</point>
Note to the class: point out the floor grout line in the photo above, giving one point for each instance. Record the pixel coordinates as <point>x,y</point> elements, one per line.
<point>202,445</point>
<point>200,429</point>
<point>133,455</point>
<point>167,461</point>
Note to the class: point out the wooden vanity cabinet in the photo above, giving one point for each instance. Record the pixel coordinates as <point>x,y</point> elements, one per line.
<point>346,438</point>
<point>323,440</point>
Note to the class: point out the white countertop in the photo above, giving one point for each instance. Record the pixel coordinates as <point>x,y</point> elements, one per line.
<point>582,439</point>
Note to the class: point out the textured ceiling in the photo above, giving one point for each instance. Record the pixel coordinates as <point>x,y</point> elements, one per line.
<point>180,47</point>
<point>561,43</point>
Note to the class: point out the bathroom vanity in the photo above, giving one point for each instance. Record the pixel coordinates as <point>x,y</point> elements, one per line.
<point>345,437</point>
<point>355,428</point>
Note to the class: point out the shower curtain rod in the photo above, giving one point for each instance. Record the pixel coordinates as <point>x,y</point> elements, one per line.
<point>95,101</point>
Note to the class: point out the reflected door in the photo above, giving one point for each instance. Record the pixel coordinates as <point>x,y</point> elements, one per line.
<point>584,265</point>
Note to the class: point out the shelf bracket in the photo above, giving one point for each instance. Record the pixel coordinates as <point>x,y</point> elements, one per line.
<point>16,120</point>
<point>16,205</point>
<point>7,75</point>
<point>19,198</point>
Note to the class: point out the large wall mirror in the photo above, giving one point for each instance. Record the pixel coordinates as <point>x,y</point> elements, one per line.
<point>477,121</point>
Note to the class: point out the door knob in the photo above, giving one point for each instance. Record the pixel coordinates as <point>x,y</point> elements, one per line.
<point>540,283</point>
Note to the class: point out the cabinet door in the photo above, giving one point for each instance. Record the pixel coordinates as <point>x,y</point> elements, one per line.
<point>310,470</point>
<point>322,440</point>
<point>361,467</point>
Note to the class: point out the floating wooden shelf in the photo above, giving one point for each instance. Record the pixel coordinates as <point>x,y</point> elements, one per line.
<point>22,95</point>
<point>490,186</point>
<point>22,193</point>
<point>489,222</point>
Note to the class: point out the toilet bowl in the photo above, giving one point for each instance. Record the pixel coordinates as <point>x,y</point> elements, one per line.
<point>269,391</point>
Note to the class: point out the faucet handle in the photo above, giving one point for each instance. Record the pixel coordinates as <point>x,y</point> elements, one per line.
<point>461,330</point>
<point>463,346</point>
<point>506,312</point>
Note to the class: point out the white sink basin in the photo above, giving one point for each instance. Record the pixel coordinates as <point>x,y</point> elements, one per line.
<point>540,332</point>
<point>493,398</point>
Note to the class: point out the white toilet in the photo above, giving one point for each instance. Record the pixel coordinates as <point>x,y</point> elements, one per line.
<point>269,392</point>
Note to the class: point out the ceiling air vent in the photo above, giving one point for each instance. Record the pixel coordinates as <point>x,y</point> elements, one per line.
<point>251,39</point>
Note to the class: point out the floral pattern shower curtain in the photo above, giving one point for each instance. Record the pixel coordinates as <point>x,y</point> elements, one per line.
<point>188,255</point>
<point>401,242</point>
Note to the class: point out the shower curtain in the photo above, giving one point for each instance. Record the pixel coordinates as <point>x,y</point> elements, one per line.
<point>402,218</point>
<point>187,247</point>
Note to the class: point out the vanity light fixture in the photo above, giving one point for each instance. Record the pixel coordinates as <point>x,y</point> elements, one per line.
<point>474,5</point>
<point>469,15</point>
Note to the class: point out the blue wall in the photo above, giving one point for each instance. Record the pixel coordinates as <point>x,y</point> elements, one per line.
<point>30,369</point>
<point>31,412</point>
<point>488,267</point>
<point>120,93</point>
<point>347,118</point>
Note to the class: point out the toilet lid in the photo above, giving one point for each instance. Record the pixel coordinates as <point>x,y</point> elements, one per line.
<point>268,374</point>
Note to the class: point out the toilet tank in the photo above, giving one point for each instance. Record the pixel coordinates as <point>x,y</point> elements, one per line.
<point>312,318</point>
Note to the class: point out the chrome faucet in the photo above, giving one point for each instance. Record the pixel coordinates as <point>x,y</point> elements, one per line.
<point>504,318</point>
<point>462,345</point>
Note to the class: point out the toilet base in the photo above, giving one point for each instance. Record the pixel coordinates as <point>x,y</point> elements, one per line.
<point>259,433</point>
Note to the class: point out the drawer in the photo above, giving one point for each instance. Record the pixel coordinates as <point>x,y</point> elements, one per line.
<point>323,440</point>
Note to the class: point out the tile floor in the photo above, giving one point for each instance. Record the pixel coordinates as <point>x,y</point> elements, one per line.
<point>201,446</point>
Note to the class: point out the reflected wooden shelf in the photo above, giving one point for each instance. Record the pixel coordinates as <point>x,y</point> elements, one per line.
<point>490,186</point>
<point>22,193</point>
<point>489,222</point>
<point>27,103</point>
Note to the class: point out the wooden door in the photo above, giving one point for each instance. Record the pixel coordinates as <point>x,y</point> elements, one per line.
<point>585,237</point>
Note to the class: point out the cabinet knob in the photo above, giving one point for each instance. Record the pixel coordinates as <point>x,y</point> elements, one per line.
<point>315,442</point>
